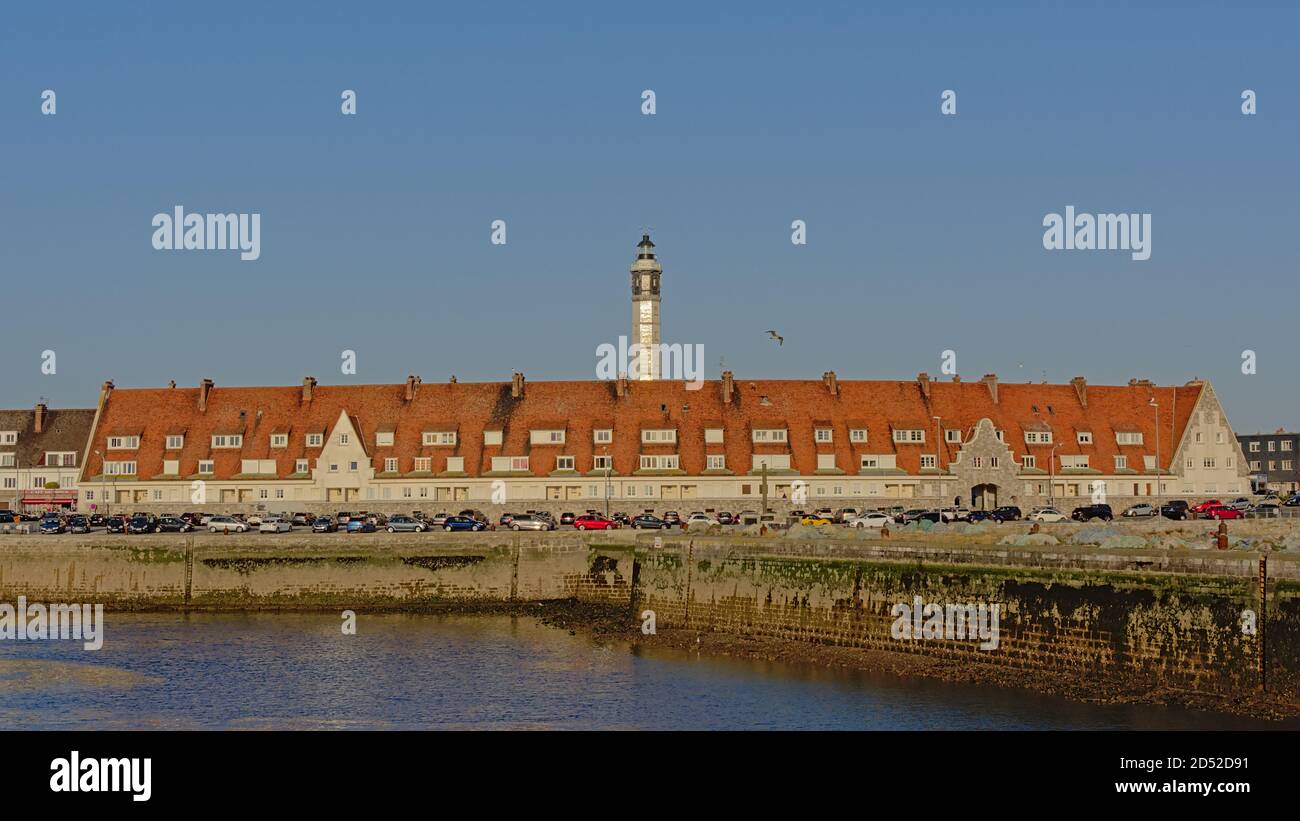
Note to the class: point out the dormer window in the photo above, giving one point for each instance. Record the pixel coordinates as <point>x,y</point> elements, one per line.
<point>659,436</point>
<point>1038,437</point>
<point>123,442</point>
<point>279,440</point>
<point>224,440</point>
<point>602,436</point>
<point>443,437</point>
<point>909,436</point>
<point>315,440</point>
<point>822,434</point>
<point>175,441</point>
<point>1128,437</point>
<point>858,436</point>
<point>1085,437</point>
<point>384,439</point>
<point>762,435</point>
<point>546,437</point>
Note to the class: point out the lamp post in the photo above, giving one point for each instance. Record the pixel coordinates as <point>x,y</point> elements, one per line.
<point>605,452</point>
<point>103,471</point>
<point>1051,473</point>
<point>938,464</point>
<point>1156,405</point>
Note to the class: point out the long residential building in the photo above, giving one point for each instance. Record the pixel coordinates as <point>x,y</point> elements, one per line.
<point>1272,460</point>
<point>41,454</point>
<point>656,444</point>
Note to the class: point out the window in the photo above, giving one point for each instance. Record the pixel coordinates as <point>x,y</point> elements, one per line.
<point>717,461</point>
<point>171,467</point>
<point>1286,444</point>
<point>1209,462</point>
<point>1218,437</point>
<point>300,466</point>
<point>1254,447</point>
<point>175,442</point>
<point>1121,463</point>
<point>406,493</point>
<point>546,437</point>
<point>713,436</point>
<point>978,461</point>
<point>423,464</point>
<point>1084,437</point>
<point>663,462</point>
<point>9,437</point>
<point>206,466</point>
<point>1074,461</point>
<point>927,460</point>
<point>651,435</point>
<point>1286,464</point>
<point>6,460</point>
<point>603,436</point>
<point>952,435</point>
<point>769,434</point>
<point>123,442</point>
<point>993,462</point>
<point>448,437</point>
<point>90,495</point>
<point>858,435</point>
<point>279,493</point>
<point>334,467</point>
<point>118,469</point>
<point>55,459</point>
<point>222,440</point>
<point>564,463</point>
<point>909,436</point>
<point>604,463</point>
<point>157,496</point>
<point>1128,437</point>
<point>822,434</point>
<point>870,462</point>
<point>263,494</point>
<point>390,465</point>
<point>491,437</point>
<point>10,483</point>
<point>315,440</point>
<point>1272,446</point>
<point>509,463</point>
<point>384,438</point>
<point>825,461</point>
<point>352,467</point>
<point>1028,461</point>
<point>455,464</point>
<point>774,461</point>
<point>1038,437</point>
<point>345,439</point>
<point>1254,465</point>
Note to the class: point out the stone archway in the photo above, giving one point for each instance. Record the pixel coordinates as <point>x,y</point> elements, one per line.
<point>984,496</point>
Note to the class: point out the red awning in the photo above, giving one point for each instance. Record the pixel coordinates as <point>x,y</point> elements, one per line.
<point>61,499</point>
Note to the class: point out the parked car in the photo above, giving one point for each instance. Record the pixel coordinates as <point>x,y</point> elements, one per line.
<point>324,524</point>
<point>173,524</point>
<point>78,524</point>
<point>955,514</point>
<point>462,523</point>
<point>1087,513</point>
<point>702,519</point>
<point>814,520</point>
<point>909,515</point>
<point>7,517</point>
<point>622,518</point>
<point>1046,514</point>
<point>1141,510</point>
<point>567,518</point>
<point>1204,507</point>
<point>437,519</point>
<point>725,518</point>
<point>404,524</point>
<point>361,524</point>
<point>115,524</point>
<point>342,518</point>
<point>649,521</point>
<point>141,524</point>
<point>874,519</point>
<point>1267,508</point>
<point>303,519</point>
<point>530,521</point>
<point>476,515</point>
<point>1006,513</point>
<point>505,519</point>
<point>672,517</point>
<point>1175,509</point>
<point>592,521</point>
<point>930,516</point>
<point>52,524</point>
<point>97,520</point>
<point>980,516</point>
<point>1222,512</point>
<point>226,524</point>
<point>1241,503</point>
<point>274,524</point>
<point>1293,500</point>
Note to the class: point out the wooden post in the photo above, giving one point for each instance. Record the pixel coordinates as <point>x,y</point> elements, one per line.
<point>1263,605</point>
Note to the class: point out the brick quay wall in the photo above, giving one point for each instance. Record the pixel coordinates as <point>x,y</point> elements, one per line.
<point>1134,619</point>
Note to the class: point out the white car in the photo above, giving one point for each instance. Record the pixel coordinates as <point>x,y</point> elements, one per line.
<point>874,519</point>
<point>253,519</point>
<point>1141,510</point>
<point>955,514</point>
<point>1047,514</point>
<point>702,519</point>
<point>275,526</point>
<point>217,524</point>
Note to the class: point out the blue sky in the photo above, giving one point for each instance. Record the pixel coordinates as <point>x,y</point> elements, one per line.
<point>924,231</point>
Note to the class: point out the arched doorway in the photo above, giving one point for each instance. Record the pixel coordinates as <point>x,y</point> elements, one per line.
<point>984,497</point>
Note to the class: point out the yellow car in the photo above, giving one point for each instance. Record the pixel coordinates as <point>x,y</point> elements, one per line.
<point>814,520</point>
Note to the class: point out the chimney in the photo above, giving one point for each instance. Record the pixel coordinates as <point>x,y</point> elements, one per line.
<point>832,383</point>
<point>410,388</point>
<point>991,381</point>
<point>620,387</point>
<point>728,387</point>
<point>1081,389</point>
<point>923,379</point>
<point>956,377</point>
<point>205,387</point>
<point>517,386</point>
<point>105,390</point>
<point>172,384</point>
<point>308,382</point>
<point>40,418</point>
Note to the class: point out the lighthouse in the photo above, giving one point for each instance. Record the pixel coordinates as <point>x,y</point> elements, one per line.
<point>646,272</point>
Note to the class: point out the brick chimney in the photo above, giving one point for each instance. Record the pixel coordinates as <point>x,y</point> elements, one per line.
<point>923,379</point>
<point>728,387</point>
<point>517,386</point>
<point>1080,389</point>
<point>308,383</point>
<point>620,386</point>
<point>39,425</point>
<point>205,387</point>
<point>172,384</point>
<point>990,380</point>
<point>412,385</point>
<point>105,391</point>
<point>831,382</point>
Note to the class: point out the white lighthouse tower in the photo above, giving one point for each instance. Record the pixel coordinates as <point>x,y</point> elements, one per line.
<point>645,309</point>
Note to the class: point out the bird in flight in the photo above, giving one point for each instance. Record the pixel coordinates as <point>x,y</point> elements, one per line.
<point>780,340</point>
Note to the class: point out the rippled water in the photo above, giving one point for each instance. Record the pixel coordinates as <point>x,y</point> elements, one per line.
<point>495,672</point>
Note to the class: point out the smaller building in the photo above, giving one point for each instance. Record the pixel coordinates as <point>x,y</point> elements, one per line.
<point>41,452</point>
<point>1271,458</point>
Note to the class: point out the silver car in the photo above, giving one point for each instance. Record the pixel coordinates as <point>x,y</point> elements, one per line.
<point>405,524</point>
<point>529,521</point>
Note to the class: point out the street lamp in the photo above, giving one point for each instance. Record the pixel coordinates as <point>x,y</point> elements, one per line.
<point>102,476</point>
<point>605,452</point>
<point>938,463</point>
<point>1051,473</point>
<point>1156,405</point>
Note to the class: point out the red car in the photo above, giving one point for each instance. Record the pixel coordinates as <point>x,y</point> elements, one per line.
<point>1222,512</point>
<point>1205,507</point>
<point>592,522</point>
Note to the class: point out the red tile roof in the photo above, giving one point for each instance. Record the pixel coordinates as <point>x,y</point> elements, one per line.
<point>581,407</point>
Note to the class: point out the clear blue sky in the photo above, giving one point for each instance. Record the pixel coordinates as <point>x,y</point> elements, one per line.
<point>924,231</point>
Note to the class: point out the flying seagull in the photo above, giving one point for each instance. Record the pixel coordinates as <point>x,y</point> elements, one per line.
<point>780,340</point>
